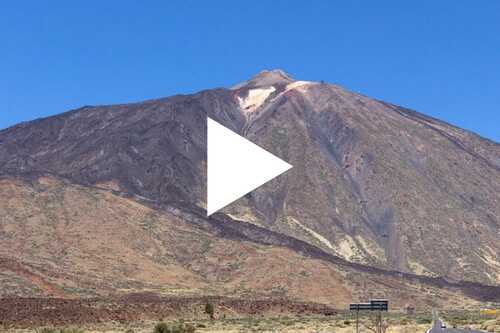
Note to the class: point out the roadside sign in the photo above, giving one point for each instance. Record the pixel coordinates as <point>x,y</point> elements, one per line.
<point>379,305</point>
<point>374,305</point>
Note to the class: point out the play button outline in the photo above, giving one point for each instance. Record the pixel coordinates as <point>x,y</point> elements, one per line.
<point>236,166</point>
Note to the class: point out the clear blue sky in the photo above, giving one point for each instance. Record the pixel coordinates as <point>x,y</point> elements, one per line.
<point>441,58</point>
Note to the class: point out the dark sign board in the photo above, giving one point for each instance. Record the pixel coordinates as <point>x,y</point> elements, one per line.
<point>380,304</point>
<point>374,305</point>
<point>360,307</point>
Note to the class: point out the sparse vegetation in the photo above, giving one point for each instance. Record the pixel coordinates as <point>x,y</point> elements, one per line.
<point>476,319</point>
<point>174,328</point>
<point>340,322</point>
<point>161,328</point>
<point>376,324</point>
<point>209,309</point>
<point>59,330</point>
<point>343,322</point>
<point>421,321</point>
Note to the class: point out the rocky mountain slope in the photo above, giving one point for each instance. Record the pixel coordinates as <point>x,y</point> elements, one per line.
<point>118,191</point>
<point>65,240</point>
<point>378,184</point>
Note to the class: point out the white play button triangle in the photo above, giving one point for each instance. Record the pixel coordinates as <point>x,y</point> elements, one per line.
<point>235,166</point>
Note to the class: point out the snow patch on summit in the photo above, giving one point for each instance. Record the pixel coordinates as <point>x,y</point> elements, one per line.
<point>255,98</point>
<point>297,84</point>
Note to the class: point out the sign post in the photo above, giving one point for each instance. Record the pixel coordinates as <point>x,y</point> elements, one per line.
<point>374,305</point>
<point>357,321</point>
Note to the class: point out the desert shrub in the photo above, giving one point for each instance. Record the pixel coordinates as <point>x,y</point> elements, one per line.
<point>424,321</point>
<point>161,328</point>
<point>129,331</point>
<point>286,322</point>
<point>209,309</point>
<point>176,328</point>
<point>45,330</point>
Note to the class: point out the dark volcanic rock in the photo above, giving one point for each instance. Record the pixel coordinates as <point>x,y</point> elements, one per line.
<point>155,149</point>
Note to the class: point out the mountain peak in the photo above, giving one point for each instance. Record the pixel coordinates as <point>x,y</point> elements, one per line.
<point>276,75</point>
<point>266,78</point>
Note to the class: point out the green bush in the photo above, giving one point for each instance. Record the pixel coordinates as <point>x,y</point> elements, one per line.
<point>176,328</point>
<point>209,309</point>
<point>161,328</point>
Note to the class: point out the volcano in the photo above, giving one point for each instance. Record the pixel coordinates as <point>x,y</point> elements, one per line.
<point>382,201</point>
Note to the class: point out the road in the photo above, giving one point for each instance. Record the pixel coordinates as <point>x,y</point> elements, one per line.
<point>437,326</point>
